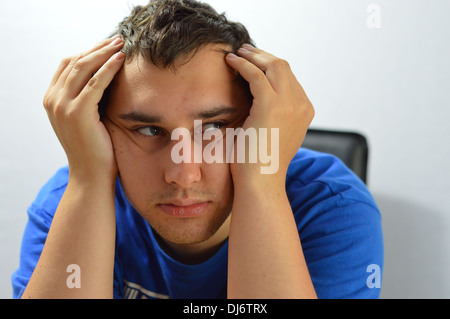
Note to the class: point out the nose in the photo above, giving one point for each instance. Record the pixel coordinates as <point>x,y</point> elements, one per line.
<point>183,174</point>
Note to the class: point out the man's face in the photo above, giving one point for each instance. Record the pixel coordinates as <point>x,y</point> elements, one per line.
<point>185,203</point>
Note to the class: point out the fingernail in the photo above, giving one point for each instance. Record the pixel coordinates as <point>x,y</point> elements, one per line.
<point>119,56</point>
<point>243,50</point>
<point>116,41</point>
<point>248,46</point>
<point>232,56</point>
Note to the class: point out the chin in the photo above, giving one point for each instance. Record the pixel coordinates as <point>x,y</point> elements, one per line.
<point>187,231</point>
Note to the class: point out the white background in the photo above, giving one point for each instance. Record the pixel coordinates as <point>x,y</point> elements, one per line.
<point>391,84</point>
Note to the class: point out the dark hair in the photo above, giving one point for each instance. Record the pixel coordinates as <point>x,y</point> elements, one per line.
<point>165,30</point>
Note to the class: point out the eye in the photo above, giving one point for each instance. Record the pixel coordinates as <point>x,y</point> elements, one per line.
<point>213,126</point>
<point>150,131</point>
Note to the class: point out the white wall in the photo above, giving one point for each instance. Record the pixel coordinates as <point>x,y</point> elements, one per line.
<point>392,84</point>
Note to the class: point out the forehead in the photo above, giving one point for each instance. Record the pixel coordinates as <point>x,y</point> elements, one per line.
<point>205,80</point>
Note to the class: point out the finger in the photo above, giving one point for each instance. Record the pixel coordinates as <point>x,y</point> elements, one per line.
<point>259,84</point>
<point>85,67</point>
<point>70,61</point>
<point>277,70</point>
<point>62,66</point>
<point>96,86</point>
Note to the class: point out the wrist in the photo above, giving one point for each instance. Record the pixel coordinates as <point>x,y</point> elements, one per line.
<point>251,176</point>
<point>247,184</point>
<point>92,180</point>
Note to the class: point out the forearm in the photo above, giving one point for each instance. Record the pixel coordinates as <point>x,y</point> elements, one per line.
<point>265,253</point>
<point>83,227</point>
<point>82,233</point>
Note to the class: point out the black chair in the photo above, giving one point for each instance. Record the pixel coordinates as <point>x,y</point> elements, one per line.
<point>352,148</point>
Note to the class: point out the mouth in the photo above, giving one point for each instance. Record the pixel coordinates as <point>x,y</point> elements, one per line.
<point>184,208</point>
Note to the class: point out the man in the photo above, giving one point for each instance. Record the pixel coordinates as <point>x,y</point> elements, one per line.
<point>135,223</point>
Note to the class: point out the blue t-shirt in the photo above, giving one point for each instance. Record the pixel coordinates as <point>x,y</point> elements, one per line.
<point>338,222</point>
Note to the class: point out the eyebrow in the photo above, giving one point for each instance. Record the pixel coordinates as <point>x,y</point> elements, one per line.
<point>140,117</point>
<point>214,112</point>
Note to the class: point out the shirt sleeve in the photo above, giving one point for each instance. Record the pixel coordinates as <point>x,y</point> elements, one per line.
<point>40,217</point>
<point>339,226</point>
<point>33,241</point>
<point>343,247</point>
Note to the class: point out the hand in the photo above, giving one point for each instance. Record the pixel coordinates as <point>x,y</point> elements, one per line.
<point>71,103</point>
<point>279,101</point>
<point>265,254</point>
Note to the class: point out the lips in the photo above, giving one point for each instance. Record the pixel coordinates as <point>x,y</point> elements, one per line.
<point>184,208</point>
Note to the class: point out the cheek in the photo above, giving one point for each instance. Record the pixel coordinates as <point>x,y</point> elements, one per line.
<point>121,146</point>
<point>218,178</point>
<point>138,174</point>
<point>132,160</point>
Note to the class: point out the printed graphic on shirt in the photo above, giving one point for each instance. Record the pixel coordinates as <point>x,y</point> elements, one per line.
<point>135,291</point>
